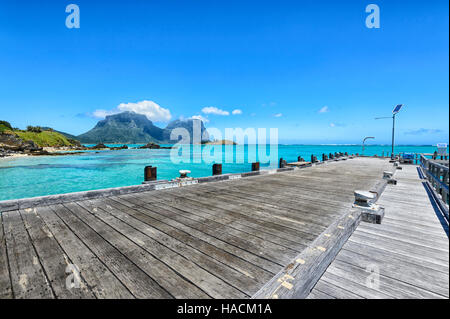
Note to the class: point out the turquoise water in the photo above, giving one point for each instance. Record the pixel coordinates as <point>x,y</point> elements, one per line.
<point>47,175</point>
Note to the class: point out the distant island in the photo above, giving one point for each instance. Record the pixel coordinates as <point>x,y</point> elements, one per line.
<point>133,128</point>
<point>220,142</point>
<point>123,128</point>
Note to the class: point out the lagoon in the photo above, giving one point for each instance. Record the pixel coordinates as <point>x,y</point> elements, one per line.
<point>33,176</point>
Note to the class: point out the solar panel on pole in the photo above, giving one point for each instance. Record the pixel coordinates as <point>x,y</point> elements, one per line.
<point>397,109</point>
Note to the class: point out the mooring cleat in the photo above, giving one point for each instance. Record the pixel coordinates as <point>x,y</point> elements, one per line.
<point>184,172</point>
<point>387,174</point>
<point>364,196</point>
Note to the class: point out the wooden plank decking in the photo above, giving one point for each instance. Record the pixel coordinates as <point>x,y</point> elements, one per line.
<point>409,250</point>
<point>214,240</point>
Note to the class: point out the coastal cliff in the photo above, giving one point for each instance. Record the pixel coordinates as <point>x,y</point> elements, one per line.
<point>32,141</point>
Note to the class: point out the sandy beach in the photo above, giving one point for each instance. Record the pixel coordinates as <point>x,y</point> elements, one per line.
<point>11,156</point>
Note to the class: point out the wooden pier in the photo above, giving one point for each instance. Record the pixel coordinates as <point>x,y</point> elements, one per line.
<point>241,236</point>
<point>407,256</point>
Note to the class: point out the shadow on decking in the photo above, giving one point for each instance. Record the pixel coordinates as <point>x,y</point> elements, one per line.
<point>437,210</point>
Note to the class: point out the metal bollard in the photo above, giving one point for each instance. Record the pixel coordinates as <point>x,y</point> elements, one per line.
<point>217,169</point>
<point>255,166</point>
<point>149,173</point>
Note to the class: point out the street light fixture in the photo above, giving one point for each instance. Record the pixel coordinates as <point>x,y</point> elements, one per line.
<point>394,113</point>
<point>364,140</point>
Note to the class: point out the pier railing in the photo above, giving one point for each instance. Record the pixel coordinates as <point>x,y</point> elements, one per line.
<point>437,175</point>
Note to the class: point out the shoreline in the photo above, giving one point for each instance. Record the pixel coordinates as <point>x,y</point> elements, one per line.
<point>14,155</point>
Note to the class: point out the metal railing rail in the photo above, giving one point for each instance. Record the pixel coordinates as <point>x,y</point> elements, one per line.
<point>437,175</point>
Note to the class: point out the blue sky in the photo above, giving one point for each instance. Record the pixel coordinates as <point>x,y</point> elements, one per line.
<point>279,62</point>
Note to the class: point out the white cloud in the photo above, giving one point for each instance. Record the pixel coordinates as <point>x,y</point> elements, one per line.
<point>214,110</point>
<point>103,113</point>
<point>278,115</point>
<point>337,125</point>
<point>324,109</point>
<point>153,111</point>
<point>236,112</point>
<point>200,117</point>
<point>150,109</point>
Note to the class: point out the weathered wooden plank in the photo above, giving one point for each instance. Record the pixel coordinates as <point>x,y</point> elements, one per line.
<point>404,238</point>
<point>251,258</point>
<point>413,227</point>
<point>427,254</point>
<point>52,258</point>
<point>298,278</point>
<point>380,252</point>
<point>438,238</point>
<point>302,213</point>
<point>200,260</point>
<point>359,290</point>
<point>424,278</point>
<point>98,277</point>
<point>212,216</point>
<point>136,280</point>
<point>5,279</point>
<point>168,265</point>
<point>251,219</point>
<point>247,269</point>
<point>327,288</point>
<point>28,277</point>
<point>386,285</point>
<point>284,199</point>
<point>318,294</point>
<point>284,218</point>
<point>245,241</point>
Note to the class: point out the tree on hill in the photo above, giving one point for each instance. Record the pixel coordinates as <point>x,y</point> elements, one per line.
<point>34,129</point>
<point>6,124</point>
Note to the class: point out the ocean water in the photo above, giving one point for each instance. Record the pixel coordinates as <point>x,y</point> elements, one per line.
<point>46,175</point>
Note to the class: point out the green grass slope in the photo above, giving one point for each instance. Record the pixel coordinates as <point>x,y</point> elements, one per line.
<point>3,128</point>
<point>45,138</point>
<point>42,137</point>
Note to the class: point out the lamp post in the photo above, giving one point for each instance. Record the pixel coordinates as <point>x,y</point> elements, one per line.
<point>394,113</point>
<point>364,140</point>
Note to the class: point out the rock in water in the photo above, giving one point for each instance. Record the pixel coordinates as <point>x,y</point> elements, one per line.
<point>99,146</point>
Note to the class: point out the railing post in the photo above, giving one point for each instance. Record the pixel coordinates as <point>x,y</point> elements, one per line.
<point>149,173</point>
<point>217,169</point>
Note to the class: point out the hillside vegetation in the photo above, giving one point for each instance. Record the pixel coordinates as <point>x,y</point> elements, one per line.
<point>5,126</point>
<point>42,137</point>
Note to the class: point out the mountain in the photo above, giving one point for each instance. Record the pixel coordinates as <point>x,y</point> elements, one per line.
<point>126,127</point>
<point>189,126</point>
<point>133,128</point>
